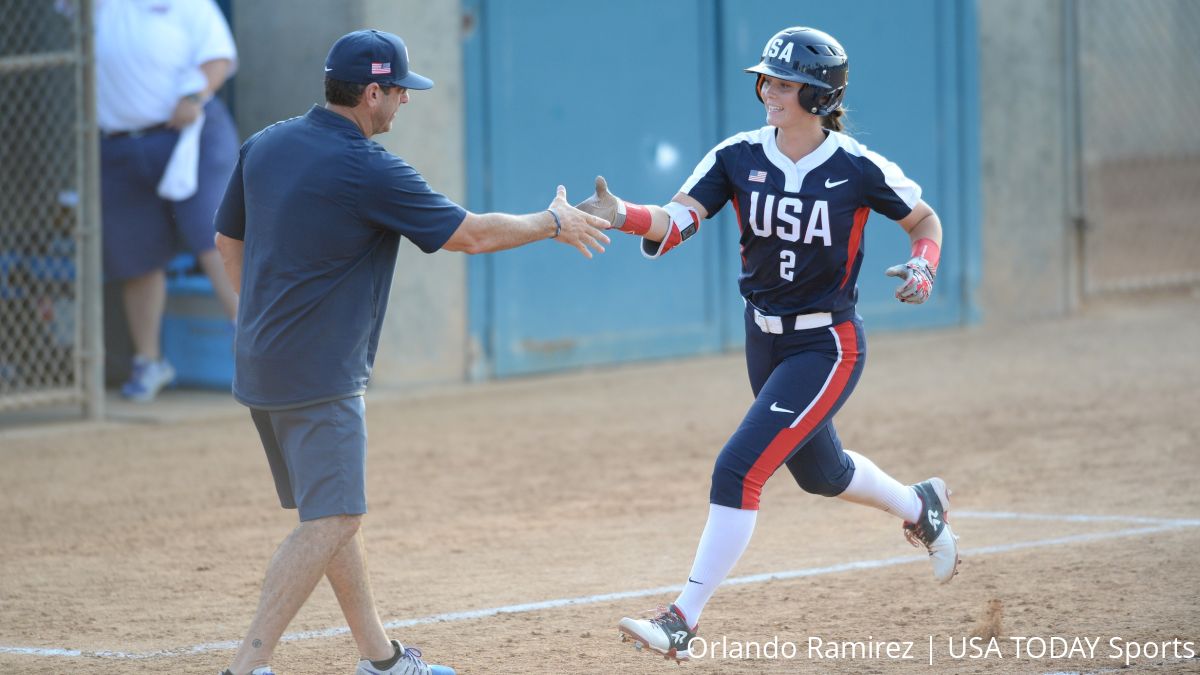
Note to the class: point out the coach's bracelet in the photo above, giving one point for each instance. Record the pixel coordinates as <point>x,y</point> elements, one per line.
<point>557,224</point>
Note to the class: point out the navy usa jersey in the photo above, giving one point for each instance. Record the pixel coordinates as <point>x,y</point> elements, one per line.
<point>801,223</point>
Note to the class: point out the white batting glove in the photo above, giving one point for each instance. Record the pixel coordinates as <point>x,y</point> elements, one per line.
<point>918,280</point>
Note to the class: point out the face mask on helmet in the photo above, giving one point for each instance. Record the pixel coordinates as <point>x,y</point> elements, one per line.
<point>810,58</point>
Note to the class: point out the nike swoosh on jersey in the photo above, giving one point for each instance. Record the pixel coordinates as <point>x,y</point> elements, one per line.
<point>835,183</point>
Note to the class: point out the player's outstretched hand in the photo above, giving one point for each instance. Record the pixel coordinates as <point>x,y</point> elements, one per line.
<point>604,204</point>
<point>917,278</point>
<point>580,229</point>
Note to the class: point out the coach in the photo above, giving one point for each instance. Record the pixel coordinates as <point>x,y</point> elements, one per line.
<point>309,230</point>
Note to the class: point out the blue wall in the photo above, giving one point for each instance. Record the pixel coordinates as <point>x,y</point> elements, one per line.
<point>638,92</point>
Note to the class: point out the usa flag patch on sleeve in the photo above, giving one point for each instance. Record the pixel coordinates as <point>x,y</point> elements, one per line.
<point>758,176</point>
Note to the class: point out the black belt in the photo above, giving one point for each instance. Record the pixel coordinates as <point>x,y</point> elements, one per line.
<point>135,132</point>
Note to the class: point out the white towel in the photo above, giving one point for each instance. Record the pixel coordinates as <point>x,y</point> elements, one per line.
<point>181,176</point>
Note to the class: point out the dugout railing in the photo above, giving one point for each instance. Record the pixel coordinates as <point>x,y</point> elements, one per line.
<point>51,346</point>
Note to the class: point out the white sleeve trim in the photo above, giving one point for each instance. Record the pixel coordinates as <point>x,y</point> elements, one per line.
<point>905,188</point>
<point>710,159</point>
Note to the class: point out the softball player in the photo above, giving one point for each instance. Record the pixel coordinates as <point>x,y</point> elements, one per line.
<point>802,191</point>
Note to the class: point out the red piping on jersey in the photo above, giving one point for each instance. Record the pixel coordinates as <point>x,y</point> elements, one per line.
<point>856,232</point>
<point>786,441</point>
<point>737,211</point>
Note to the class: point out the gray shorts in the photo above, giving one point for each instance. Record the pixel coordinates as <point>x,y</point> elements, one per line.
<point>318,456</point>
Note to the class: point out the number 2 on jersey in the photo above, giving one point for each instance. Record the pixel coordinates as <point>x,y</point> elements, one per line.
<point>787,263</point>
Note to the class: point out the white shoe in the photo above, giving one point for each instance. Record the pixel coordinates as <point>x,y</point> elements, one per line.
<point>409,663</point>
<point>932,529</point>
<point>668,633</point>
<point>147,379</point>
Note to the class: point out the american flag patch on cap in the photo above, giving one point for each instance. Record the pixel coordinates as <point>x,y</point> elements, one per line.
<point>758,176</point>
<point>381,68</point>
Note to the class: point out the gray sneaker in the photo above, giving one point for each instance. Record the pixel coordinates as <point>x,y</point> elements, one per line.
<point>409,663</point>
<point>668,633</point>
<point>932,529</point>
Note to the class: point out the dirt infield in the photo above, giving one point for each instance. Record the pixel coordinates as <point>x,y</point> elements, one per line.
<point>142,545</point>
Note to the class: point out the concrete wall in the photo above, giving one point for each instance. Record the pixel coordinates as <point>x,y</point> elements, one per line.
<point>1139,88</point>
<point>283,45</point>
<point>1027,256</point>
<point>1142,71</point>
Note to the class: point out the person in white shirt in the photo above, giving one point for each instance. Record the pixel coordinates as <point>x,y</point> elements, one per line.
<point>167,149</point>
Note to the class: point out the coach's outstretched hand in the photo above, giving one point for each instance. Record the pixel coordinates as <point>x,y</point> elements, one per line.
<point>578,228</point>
<point>604,204</point>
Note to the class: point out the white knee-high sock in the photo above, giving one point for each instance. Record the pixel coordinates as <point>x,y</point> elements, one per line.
<point>726,535</point>
<point>871,486</point>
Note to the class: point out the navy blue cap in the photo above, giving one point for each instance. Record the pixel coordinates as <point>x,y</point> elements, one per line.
<point>366,56</point>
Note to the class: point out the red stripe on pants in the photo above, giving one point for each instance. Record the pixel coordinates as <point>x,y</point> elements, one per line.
<point>786,441</point>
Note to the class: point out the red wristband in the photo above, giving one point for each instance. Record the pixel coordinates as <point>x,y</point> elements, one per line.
<point>637,219</point>
<point>929,250</point>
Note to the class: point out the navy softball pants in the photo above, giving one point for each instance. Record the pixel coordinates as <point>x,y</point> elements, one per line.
<point>800,380</point>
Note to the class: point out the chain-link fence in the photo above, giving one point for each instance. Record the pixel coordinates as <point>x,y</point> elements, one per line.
<point>49,227</point>
<point>1139,150</point>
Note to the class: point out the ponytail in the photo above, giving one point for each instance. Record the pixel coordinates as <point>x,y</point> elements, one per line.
<point>833,121</point>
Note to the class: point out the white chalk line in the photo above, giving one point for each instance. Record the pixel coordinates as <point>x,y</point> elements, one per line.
<point>1075,518</point>
<point>1152,526</point>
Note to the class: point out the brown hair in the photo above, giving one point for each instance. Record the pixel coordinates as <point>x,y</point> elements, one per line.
<point>348,94</point>
<point>833,121</point>
<point>343,93</point>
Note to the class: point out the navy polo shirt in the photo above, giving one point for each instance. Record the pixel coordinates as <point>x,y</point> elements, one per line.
<point>321,210</point>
